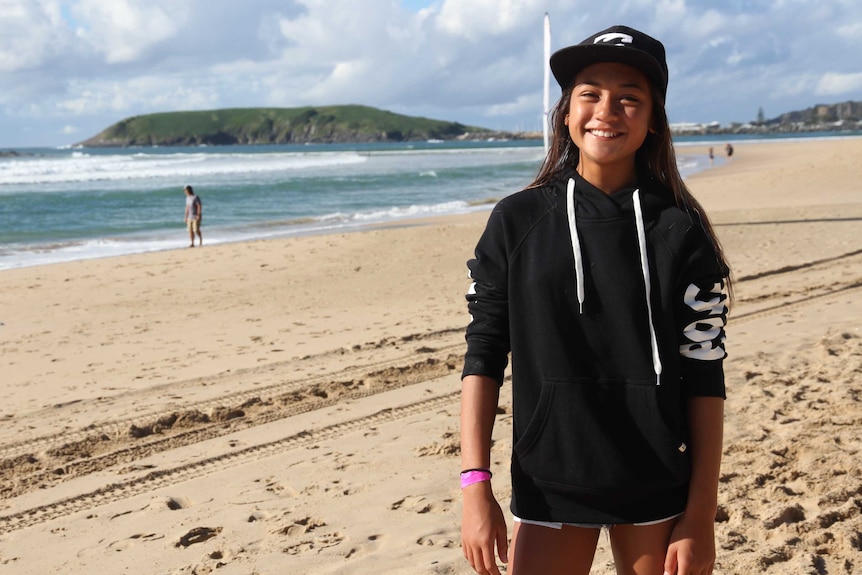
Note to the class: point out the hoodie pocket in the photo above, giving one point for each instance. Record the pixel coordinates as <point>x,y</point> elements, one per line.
<point>601,436</point>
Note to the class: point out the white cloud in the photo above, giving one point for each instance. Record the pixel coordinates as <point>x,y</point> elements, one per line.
<point>851,30</point>
<point>478,18</point>
<point>523,104</point>
<point>474,61</point>
<point>123,30</point>
<point>30,33</point>
<point>156,93</point>
<point>795,85</point>
<point>735,58</point>
<point>832,84</point>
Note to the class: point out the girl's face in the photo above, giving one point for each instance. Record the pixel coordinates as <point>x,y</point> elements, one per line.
<point>610,114</point>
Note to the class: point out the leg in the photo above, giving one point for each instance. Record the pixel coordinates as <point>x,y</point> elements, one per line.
<point>641,549</point>
<point>538,549</point>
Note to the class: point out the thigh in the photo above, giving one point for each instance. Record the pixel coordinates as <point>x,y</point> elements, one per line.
<point>549,551</point>
<point>641,549</point>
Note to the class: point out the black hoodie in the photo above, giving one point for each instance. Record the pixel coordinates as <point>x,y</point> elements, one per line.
<point>601,370</point>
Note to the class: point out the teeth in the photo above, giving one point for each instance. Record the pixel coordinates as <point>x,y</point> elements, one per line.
<point>603,133</point>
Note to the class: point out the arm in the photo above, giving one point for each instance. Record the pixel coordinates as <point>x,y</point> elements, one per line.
<point>702,317</point>
<point>692,544</point>
<point>483,525</point>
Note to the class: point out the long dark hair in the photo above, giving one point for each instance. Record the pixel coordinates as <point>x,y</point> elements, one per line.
<point>656,157</point>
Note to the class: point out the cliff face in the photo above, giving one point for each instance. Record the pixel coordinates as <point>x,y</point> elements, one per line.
<point>333,124</point>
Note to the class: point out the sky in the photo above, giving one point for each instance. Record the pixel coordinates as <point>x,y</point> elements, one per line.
<point>71,68</point>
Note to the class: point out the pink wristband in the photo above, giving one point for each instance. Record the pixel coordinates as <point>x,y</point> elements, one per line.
<point>474,476</point>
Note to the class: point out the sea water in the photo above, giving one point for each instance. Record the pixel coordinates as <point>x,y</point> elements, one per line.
<point>69,204</point>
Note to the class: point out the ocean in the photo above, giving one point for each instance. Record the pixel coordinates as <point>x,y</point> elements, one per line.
<point>60,205</point>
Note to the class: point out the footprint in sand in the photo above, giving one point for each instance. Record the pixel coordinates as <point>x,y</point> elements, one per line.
<point>197,535</point>
<point>177,503</point>
<point>316,544</point>
<point>449,445</point>
<point>414,503</point>
<point>441,538</point>
<point>210,562</point>
<point>791,514</point>
<point>274,485</point>
<point>311,538</point>
<point>301,527</point>
<point>258,516</point>
<point>371,545</point>
<point>134,540</point>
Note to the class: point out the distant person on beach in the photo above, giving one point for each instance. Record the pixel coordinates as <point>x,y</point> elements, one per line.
<point>728,149</point>
<point>605,282</point>
<point>711,155</point>
<point>194,215</point>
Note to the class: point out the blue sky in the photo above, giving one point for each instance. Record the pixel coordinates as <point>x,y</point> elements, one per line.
<point>70,68</point>
<point>415,5</point>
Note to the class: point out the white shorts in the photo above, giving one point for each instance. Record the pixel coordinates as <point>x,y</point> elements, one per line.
<point>555,525</point>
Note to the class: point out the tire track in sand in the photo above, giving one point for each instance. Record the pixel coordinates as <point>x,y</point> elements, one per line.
<point>435,344</point>
<point>164,477</point>
<point>66,456</point>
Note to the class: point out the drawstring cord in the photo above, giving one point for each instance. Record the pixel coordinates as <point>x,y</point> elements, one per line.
<point>642,247</point>
<point>639,221</point>
<point>576,243</point>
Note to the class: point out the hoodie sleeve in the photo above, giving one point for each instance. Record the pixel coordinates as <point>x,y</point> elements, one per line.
<point>701,319</point>
<point>488,303</point>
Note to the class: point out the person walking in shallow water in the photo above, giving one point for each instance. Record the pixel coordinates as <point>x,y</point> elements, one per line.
<point>605,282</point>
<point>194,214</point>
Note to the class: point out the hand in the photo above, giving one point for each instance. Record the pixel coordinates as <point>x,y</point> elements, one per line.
<point>482,528</point>
<point>692,547</point>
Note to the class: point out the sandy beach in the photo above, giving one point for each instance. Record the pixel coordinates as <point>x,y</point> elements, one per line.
<point>291,406</point>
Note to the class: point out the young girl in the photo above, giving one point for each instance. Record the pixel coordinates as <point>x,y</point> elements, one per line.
<point>606,283</point>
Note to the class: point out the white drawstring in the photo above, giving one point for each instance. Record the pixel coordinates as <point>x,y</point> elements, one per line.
<point>576,243</point>
<point>642,246</point>
<point>639,220</point>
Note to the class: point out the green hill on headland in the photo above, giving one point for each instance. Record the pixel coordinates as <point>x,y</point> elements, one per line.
<point>361,124</point>
<point>324,124</point>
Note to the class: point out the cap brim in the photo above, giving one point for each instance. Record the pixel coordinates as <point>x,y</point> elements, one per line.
<point>567,62</point>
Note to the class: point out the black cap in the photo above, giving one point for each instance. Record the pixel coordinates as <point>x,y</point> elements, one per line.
<point>619,44</point>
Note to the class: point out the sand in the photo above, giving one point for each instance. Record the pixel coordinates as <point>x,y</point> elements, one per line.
<point>291,406</point>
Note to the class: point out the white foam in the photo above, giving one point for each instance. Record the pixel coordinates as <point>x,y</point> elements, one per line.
<point>414,211</point>
<point>20,255</point>
<point>82,167</point>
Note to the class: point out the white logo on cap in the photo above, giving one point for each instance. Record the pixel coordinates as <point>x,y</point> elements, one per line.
<point>615,38</point>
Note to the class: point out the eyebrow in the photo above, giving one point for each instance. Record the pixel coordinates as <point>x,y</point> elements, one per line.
<point>625,85</point>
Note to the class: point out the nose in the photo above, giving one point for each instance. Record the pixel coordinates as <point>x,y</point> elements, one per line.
<point>607,108</point>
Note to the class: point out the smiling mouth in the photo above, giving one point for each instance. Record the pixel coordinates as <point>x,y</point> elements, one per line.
<point>604,133</point>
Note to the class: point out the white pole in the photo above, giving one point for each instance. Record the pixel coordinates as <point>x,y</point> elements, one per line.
<point>547,67</point>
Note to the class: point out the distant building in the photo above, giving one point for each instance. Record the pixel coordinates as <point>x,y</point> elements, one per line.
<point>689,128</point>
